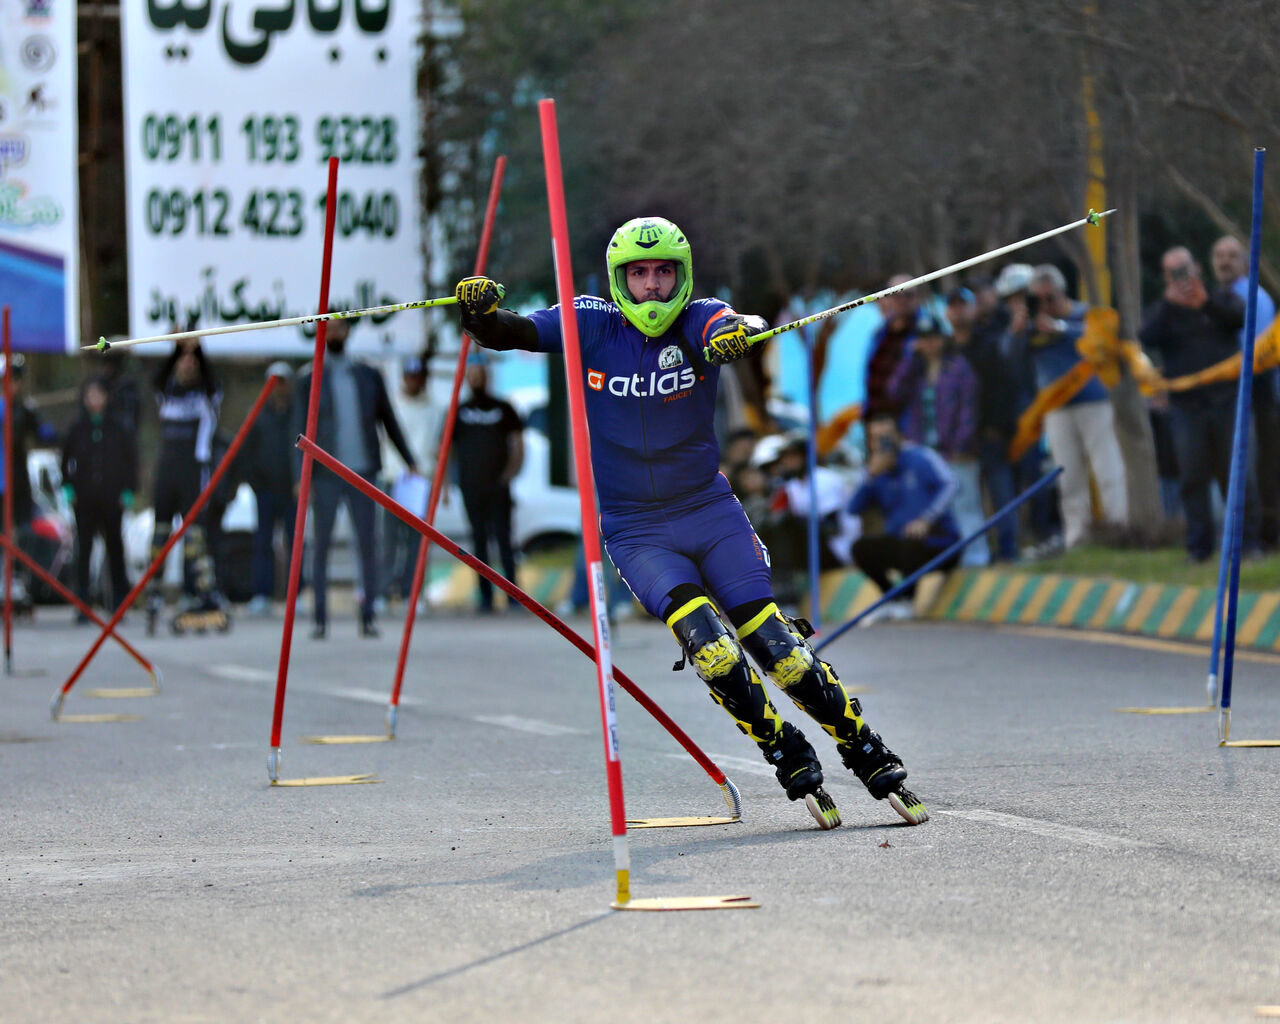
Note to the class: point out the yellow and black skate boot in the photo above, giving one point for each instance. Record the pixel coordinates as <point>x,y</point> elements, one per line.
<point>799,772</point>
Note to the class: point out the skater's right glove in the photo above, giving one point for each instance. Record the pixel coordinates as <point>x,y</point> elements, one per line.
<point>478,296</point>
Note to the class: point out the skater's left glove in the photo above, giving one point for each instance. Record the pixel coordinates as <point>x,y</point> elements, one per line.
<point>730,338</point>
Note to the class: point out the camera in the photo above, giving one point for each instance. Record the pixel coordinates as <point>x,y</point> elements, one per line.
<point>1180,273</point>
<point>1033,306</point>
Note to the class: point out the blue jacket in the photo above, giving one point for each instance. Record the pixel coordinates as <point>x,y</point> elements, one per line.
<point>650,401</point>
<point>919,486</point>
<point>1053,355</point>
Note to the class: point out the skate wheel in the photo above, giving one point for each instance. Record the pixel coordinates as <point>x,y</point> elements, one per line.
<point>910,806</point>
<point>823,809</point>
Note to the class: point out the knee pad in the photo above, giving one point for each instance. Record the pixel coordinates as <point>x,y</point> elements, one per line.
<point>720,663</point>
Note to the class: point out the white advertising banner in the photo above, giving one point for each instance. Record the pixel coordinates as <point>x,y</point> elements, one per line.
<point>232,111</point>
<point>39,218</point>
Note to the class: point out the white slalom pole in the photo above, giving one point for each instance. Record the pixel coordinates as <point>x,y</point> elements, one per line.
<point>1092,218</point>
<point>294,321</point>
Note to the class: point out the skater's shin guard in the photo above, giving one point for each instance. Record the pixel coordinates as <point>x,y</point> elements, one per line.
<point>812,684</point>
<point>790,662</point>
<point>720,663</point>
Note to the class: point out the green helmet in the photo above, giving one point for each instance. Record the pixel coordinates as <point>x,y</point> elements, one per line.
<point>650,238</point>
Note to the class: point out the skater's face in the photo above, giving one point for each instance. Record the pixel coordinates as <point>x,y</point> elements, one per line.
<point>651,280</point>
<point>95,400</point>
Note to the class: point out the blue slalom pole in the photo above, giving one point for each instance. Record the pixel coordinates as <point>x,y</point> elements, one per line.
<point>1240,448</point>
<point>1224,570</point>
<point>811,458</point>
<point>938,560</point>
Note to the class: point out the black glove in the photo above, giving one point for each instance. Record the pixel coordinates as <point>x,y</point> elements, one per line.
<point>730,339</point>
<point>478,296</point>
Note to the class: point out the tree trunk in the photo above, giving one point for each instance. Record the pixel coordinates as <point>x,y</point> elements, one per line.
<point>1133,424</point>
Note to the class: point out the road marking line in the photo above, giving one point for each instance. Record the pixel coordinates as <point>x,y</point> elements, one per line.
<point>726,761</point>
<point>243,673</point>
<point>375,697</point>
<point>532,725</point>
<point>1048,829</point>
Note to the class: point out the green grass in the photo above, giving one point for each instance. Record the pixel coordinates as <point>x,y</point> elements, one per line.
<point>1161,565</point>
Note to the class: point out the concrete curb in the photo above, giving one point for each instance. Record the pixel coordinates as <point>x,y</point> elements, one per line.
<point>993,596</point>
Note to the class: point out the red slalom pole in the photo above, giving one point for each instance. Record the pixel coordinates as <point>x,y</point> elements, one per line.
<point>442,459</point>
<point>586,491</point>
<point>158,562</point>
<point>304,483</point>
<point>8,493</point>
<point>433,535</point>
<point>68,596</point>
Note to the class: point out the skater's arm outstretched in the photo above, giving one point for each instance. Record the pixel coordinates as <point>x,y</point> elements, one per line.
<point>494,328</point>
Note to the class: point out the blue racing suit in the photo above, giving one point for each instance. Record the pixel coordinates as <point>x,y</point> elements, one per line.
<point>668,515</point>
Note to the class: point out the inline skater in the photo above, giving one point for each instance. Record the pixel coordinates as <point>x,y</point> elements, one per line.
<point>189,399</point>
<point>651,360</point>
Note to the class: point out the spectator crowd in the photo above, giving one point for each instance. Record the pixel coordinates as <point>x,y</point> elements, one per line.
<point>955,387</point>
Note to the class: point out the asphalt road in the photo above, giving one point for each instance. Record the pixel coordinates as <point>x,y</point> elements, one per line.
<point>1081,865</point>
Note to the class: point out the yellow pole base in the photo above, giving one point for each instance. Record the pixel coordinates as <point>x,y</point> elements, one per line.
<point>123,692</point>
<point>679,822</point>
<point>1250,743</point>
<point>1198,710</point>
<point>97,718</point>
<point>345,739</point>
<point>689,903</point>
<point>327,780</point>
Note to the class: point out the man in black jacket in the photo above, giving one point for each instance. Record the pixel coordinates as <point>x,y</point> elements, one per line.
<point>353,402</point>
<point>268,461</point>
<point>1191,329</point>
<point>99,475</point>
